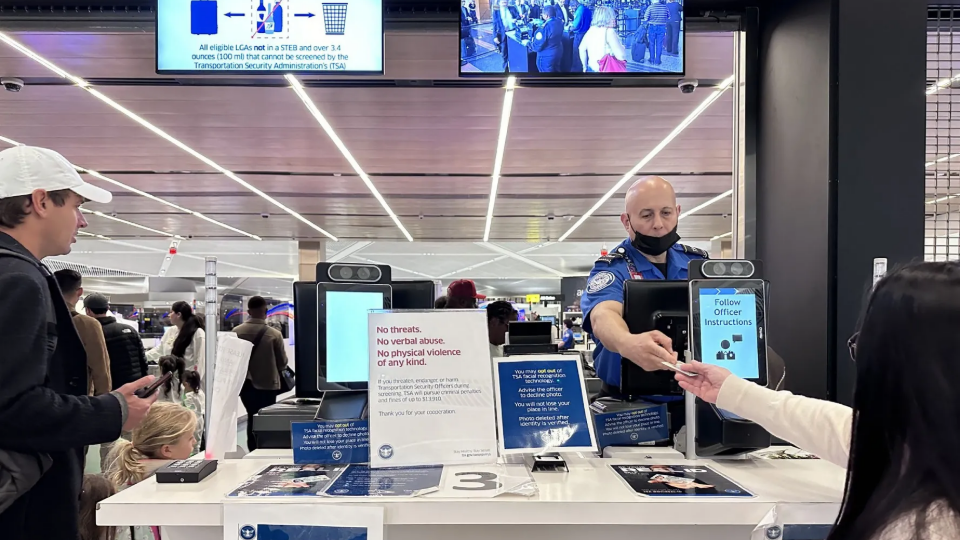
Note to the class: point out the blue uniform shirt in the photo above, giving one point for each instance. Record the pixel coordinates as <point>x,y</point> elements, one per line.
<point>606,283</point>
<point>567,339</point>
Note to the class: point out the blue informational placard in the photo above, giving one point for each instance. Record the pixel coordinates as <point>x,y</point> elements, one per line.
<point>362,481</point>
<point>327,443</point>
<point>543,405</point>
<point>632,427</point>
<point>269,36</point>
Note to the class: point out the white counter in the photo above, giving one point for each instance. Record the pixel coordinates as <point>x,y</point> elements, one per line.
<point>588,500</point>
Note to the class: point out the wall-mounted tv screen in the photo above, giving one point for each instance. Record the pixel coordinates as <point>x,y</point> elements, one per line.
<point>269,36</point>
<point>555,38</point>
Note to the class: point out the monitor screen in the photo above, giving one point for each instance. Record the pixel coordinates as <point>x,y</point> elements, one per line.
<point>347,339</point>
<point>269,36</point>
<point>730,328</point>
<point>596,38</point>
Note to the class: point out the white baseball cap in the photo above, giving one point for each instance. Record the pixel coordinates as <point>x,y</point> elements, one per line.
<point>24,169</point>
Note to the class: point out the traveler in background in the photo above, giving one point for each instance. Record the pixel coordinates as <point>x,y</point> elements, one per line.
<point>568,341</point>
<point>657,17</point>
<point>601,40</point>
<point>462,294</point>
<point>499,316</point>
<point>185,339</point>
<point>672,43</point>
<point>582,20</point>
<point>267,360</point>
<point>166,435</point>
<point>170,391</point>
<point>440,303</point>
<point>128,362</point>
<point>500,34</point>
<point>46,416</point>
<point>562,14</point>
<point>194,399</point>
<point>95,489</point>
<point>899,440</point>
<point>91,335</point>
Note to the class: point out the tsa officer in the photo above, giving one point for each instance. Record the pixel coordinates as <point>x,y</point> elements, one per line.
<point>651,251</point>
<point>548,42</point>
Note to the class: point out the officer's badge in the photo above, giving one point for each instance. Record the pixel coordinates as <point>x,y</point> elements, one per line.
<point>600,281</point>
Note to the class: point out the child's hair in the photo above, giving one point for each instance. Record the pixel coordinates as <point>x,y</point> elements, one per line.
<point>95,489</point>
<point>171,364</point>
<point>192,379</point>
<point>163,425</point>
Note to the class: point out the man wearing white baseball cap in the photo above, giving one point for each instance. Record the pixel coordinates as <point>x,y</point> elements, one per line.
<point>46,418</point>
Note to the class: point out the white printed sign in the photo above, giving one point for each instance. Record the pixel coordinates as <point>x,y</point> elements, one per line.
<point>486,481</point>
<point>252,521</point>
<point>233,358</point>
<point>431,389</point>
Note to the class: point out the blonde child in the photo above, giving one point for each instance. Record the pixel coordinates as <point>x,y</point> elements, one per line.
<point>95,489</point>
<point>165,435</point>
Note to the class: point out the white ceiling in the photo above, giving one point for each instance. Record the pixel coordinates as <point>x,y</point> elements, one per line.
<point>429,150</point>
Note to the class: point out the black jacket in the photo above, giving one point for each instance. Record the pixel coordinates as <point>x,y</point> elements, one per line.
<point>128,361</point>
<point>43,403</point>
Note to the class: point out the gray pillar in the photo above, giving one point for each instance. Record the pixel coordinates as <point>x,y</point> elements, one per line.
<point>839,170</point>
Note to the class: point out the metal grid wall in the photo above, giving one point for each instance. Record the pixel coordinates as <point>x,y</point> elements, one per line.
<point>942,179</point>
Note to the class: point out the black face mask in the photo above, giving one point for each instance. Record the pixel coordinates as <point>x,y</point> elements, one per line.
<point>653,245</point>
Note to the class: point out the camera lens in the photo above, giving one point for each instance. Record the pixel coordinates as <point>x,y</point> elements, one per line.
<point>719,269</point>
<point>736,268</point>
<point>363,273</point>
<point>346,272</point>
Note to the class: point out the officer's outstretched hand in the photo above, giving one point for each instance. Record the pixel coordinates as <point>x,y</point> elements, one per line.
<point>706,385</point>
<point>649,350</point>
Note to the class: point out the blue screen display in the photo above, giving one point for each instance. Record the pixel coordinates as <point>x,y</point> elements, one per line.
<point>348,343</point>
<point>728,330</point>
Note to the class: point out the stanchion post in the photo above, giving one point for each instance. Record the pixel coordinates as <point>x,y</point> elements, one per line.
<point>212,318</point>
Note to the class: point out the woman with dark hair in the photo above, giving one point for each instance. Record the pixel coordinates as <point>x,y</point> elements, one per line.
<point>170,391</point>
<point>899,440</point>
<point>185,339</point>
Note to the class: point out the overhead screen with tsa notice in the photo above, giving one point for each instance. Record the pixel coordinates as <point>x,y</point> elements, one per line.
<point>591,38</point>
<point>270,36</point>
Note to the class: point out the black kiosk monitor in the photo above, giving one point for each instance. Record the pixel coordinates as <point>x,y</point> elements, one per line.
<point>654,305</point>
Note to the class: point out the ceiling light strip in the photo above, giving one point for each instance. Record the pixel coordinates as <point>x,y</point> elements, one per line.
<point>117,183</point>
<point>100,236</point>
<point>714,96</point>
<point>159,132</point>
<point>318,116</point>
<point>521,258</point>
<point>719,236</point>
<point>130,223</point>
<point>700,207</point>
<point>395,267</point>
<point>942,84</point>
<point>495,259</point>
<point>198,258</point>
<point>501,145</point>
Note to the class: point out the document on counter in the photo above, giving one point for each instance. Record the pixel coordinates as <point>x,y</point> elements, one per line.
<point>334,442</point>
<point>486,481</point>
<point>264,521</point>
<point>678,481</point>
<point>543,405</point>
<point>233,357</point>
<point>431,389</point>
<point>362,481</point>
<point>288,481</point>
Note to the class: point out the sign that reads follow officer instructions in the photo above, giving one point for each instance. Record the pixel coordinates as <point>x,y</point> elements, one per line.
<point>431,389</point>
<point>270,36</point>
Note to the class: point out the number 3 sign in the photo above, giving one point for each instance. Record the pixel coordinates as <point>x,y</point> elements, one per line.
<point>478,481</point>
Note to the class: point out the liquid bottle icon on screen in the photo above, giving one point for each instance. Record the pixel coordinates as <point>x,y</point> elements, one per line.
<point>261,16</point>
<point>269,25</point>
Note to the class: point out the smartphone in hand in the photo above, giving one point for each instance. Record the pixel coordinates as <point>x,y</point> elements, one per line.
<point>148,391</point>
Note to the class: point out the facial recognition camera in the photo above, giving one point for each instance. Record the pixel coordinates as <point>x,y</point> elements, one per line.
<point>12,84</point>
<point>726,269</point>
<point>353,273</point>
<point>687,86</point>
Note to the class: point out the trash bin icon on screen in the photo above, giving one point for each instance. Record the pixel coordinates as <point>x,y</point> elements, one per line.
<point>334,18</point>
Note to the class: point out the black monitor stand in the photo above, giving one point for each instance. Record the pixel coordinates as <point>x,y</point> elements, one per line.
<point>343,405</point>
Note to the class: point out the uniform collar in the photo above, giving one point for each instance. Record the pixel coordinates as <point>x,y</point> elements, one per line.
<point>640,262</point>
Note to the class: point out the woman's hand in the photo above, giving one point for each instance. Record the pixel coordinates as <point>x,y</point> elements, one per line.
<point>706,385</point>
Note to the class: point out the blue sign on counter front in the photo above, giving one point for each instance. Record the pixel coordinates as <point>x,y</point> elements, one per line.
<point>543,405</point>
<point>628,428</point>
<point>328,443</point>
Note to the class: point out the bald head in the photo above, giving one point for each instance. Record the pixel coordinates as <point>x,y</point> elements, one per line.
<point>650,207</point>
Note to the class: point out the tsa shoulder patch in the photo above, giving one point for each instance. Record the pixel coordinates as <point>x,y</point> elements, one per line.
<point>600,281</point>
<point>690,250</point>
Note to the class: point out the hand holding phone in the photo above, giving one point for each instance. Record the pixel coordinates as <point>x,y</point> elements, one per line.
<point>148,391</point>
